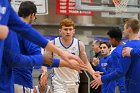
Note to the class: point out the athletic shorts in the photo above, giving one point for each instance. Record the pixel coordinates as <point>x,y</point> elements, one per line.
<point>21,89</point>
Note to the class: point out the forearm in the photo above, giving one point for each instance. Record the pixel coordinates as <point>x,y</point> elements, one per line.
<point>90,70</point>
<point>112,76</point>
<point>52,48</point>
<point>63,63</point>
<point>21,61</point>
<point>100,68</point>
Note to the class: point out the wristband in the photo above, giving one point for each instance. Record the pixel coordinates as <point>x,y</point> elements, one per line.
<point>56,62</point>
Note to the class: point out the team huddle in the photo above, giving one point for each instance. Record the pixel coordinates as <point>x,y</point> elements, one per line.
<point>65,54</point>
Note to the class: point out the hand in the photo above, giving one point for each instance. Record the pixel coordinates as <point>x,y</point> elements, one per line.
<point>96,82</point>
<point>44,71</point>
<point>3,31</point>
<point>64,55</point>
<point>43,79</point>
<point>76,66</point>
<point>126,51</point>
<point>34,90</point>
<point>97,74</point>
<point>95,61</point>
<point>67,56</point>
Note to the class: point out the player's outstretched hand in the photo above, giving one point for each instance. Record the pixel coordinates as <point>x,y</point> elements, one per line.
<point>96,82</point>
<point>76,66</point>
<point>67,56</point>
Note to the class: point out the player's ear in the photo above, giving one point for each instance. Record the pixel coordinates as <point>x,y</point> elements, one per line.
<point>59,30</point>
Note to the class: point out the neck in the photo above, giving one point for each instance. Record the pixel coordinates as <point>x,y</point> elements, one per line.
<point>134,37</point>
<point>66,41</point>
<point>25,20</point>
<point>118,43</point>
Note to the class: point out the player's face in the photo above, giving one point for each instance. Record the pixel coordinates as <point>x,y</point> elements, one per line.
<point>126,31</point>
<point>112,42</point>
<point>32,18</point>
<point>104,49</point>
<point>67,32</point>
<point>95,47</point>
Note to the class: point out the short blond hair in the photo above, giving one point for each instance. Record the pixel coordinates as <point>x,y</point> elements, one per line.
<point>67,22</point>
<point>134,24</point>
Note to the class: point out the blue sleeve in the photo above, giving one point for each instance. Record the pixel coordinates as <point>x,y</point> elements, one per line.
<point>135,52</point>
<point>20,61</point>
<point>25,30</point>
<point>100,68</point>
<point>28,61</point>
<point>119,71</point>
<point>29,47</point>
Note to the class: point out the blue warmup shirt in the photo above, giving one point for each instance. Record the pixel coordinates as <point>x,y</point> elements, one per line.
<point>105,66</point>
<point>135,52</point>
<point>13,59</point>
<point>10,18</point>
<point>23,76</point>
<point>113,62</point>
<point>128,67</point>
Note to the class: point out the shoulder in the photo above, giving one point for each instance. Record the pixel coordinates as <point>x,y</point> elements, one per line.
<point>81,43</point>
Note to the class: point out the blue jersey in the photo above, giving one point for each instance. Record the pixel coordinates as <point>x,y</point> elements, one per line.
<point>105,66</point>
<point>10,18</point>
<point>112,63</point>
<point>13,59</point>
<point>129,66</point>
<point>23,76</point>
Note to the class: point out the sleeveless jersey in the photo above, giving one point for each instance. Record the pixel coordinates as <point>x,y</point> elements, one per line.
<point>64,73</point>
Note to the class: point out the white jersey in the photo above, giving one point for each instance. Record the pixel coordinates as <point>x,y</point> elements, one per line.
<point>64,73</point>
<point>37,89</point>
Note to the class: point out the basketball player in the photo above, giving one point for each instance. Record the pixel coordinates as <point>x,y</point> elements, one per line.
<point>23,80</point>
<point>66,80</point>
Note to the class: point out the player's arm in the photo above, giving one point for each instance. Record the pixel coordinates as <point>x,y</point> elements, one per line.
<point>3,32</point>
<point>119,71</point>
<point>100,68</point>
<point>75,65</point>
<point>31,34</point>
<point>84,58</point>
<point>128,51</point>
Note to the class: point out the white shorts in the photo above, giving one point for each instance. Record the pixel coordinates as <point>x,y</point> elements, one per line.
<point>65,86</point>
<point>21,89</point>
